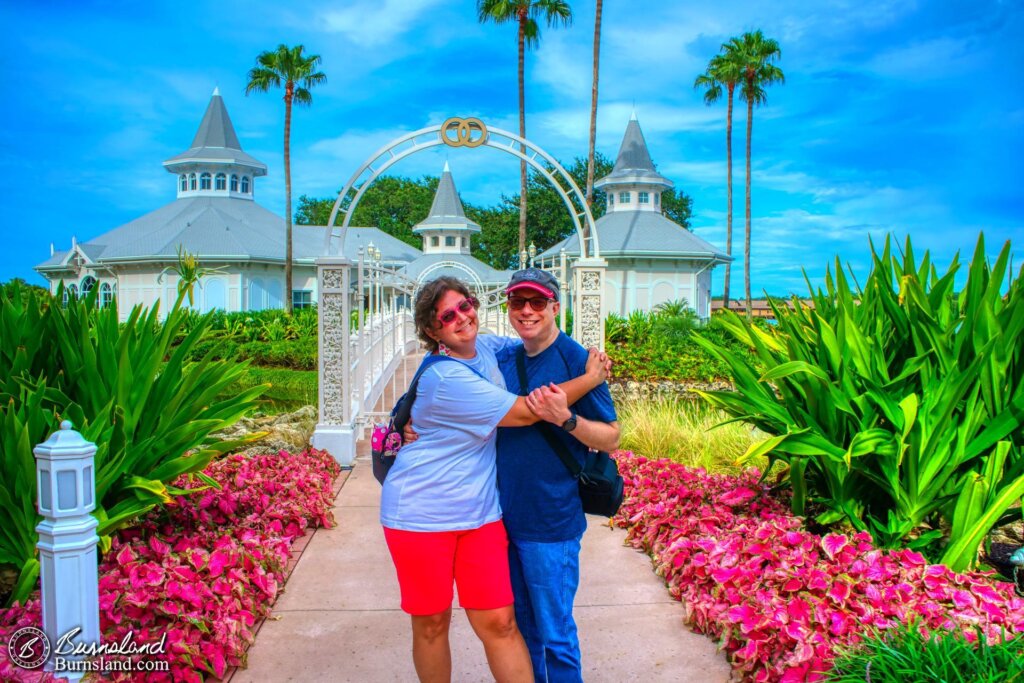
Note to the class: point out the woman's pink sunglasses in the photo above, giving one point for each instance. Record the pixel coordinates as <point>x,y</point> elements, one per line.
<point>463,307</point>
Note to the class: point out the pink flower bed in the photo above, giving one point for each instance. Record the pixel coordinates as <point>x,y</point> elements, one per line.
<point>204,569</point>
<point>779,598</point>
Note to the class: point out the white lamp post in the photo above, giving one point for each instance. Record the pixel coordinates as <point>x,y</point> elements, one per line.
<point>66,482</point>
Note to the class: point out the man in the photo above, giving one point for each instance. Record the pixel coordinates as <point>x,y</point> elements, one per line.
<point>539,498</point>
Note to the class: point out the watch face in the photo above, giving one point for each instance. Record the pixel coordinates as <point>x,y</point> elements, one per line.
<point>569,424</point>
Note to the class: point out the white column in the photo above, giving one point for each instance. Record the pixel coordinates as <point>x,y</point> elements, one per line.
<point>66,482</point>
<point>335,431</point>
<point>589,307</point>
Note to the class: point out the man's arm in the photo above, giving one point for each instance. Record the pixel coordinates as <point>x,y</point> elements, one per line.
<point>549,404</point>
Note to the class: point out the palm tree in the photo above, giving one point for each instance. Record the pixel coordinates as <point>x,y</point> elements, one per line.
<point>525,14</point>
<point>755,55</point>
<point>298,73</point>
<point>723,70</point>
<point>593,103</point>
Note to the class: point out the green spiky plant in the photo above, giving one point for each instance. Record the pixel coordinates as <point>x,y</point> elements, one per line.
<point>898,405</point>
<point>126,387</point>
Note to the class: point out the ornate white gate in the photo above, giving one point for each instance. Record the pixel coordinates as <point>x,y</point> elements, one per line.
<point>352,372</point>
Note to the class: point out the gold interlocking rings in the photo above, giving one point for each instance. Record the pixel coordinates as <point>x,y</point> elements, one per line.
<point>469,132</point>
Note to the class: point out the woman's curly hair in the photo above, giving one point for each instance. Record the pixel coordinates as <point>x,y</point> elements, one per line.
<point>425,308</point>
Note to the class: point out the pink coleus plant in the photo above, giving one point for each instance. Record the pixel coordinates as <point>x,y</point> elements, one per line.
<point>780,598</point>
<point>204,569</point>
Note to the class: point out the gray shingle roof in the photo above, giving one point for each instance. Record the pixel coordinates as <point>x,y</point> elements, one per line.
<point>223,228</point>
<point>216,141</point>
<point>487,275</point>
<point>642,233</point>
<point>446,210</point>
<point>633,165</point>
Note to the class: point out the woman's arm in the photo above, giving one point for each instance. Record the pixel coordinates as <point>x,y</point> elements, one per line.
<point>598,367</point>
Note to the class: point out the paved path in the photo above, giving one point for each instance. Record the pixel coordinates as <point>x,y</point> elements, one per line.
<point>338,618</point>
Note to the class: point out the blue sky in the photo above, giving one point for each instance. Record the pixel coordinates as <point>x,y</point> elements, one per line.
<point>896,116</point>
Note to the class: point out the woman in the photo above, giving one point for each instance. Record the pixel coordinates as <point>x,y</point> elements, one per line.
<point>439,505</point>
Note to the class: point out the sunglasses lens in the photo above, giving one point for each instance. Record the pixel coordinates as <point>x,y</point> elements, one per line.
<point>447,316</point>
<point>538,304</point>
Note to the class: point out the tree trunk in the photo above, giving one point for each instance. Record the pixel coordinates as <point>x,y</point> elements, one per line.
<point>728,220</point>
<point>288,94</point>
<point>522,134</point>
<point>593,104</point>
<point>746,232</point>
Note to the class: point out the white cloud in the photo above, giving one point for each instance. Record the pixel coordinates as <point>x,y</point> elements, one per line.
<point>375,24</point>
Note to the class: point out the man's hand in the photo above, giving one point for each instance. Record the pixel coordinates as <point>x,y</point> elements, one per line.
<point>409,434</point>
<point>549,403</point>
<point>599,365</point>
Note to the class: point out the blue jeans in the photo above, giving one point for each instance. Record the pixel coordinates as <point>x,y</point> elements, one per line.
<point>545,577</point>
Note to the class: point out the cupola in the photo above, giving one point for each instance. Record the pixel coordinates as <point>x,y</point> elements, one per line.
<point>215,165</point>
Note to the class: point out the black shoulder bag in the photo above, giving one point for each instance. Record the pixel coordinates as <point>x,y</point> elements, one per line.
<point>387,437</point>
<point>600,484</point>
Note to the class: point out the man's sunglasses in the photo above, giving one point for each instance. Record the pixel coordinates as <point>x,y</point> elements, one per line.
<point>517,303</point>
<point>463,307</point>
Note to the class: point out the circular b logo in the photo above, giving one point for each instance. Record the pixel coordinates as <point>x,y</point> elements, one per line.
<point>456,132</point>
<point>29,647</point>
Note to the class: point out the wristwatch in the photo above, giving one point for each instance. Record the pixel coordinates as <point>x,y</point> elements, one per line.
<point>570,424</point>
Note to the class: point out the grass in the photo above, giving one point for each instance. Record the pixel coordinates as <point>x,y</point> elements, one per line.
<point>289,389</point>
<point>685,431</point>
<point>907,656</point>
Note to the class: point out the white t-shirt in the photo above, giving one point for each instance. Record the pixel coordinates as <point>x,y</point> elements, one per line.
<point>446,479</point>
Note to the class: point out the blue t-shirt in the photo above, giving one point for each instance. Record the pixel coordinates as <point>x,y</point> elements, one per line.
<point>539,498</point>
<point>445,480</point>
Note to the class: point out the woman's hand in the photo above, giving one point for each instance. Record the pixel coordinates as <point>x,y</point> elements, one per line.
<point>549,403</point>
<point>599,366</point>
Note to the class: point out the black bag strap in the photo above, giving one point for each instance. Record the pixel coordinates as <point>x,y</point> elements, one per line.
<point>560,449</point>
<point>403,411</point>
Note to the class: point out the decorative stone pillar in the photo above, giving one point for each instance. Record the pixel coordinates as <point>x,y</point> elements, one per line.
<point>335,431</point>
<point>66,485</point>
<point>589,308</point>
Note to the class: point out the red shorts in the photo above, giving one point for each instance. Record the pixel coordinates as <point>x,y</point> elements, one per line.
<point>429,562</point>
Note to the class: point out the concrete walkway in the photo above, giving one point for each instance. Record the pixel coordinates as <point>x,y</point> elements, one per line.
<point>338,618</point>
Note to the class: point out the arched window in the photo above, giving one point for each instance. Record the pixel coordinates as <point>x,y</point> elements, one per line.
<point>106,295</point>
<point>183,183</point>
<point>204,181</point>
<point>192,182</point>
<point>73,290</point>
<point>234,183</point>
<point>245,184</point>
<point>221,182</point>
<point>88,284</point>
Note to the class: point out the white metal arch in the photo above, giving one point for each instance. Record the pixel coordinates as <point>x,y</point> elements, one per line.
<point>440,265</point>
<point>432,136</point>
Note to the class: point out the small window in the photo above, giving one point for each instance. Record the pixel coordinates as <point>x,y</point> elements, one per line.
<point>221,182</point>
<point>183,183</point>
<point>302,298</point>
<point>106,295</point>
<point>434,241</point>
<point>643,197</point>
<point>204,181</point>
<point>623,198</point>
<point>234,183</point>
<point>192,182</point>
<point>611,199</point>
<point>245,184</point>
<point>657,198</point>
<point>449,241</point>
<point>465,242</point>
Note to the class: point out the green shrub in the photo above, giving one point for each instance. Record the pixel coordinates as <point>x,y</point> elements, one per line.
<point>125,387</point>
<point>906,655</point>
<point>897,406</point>
<point>300,354</point>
